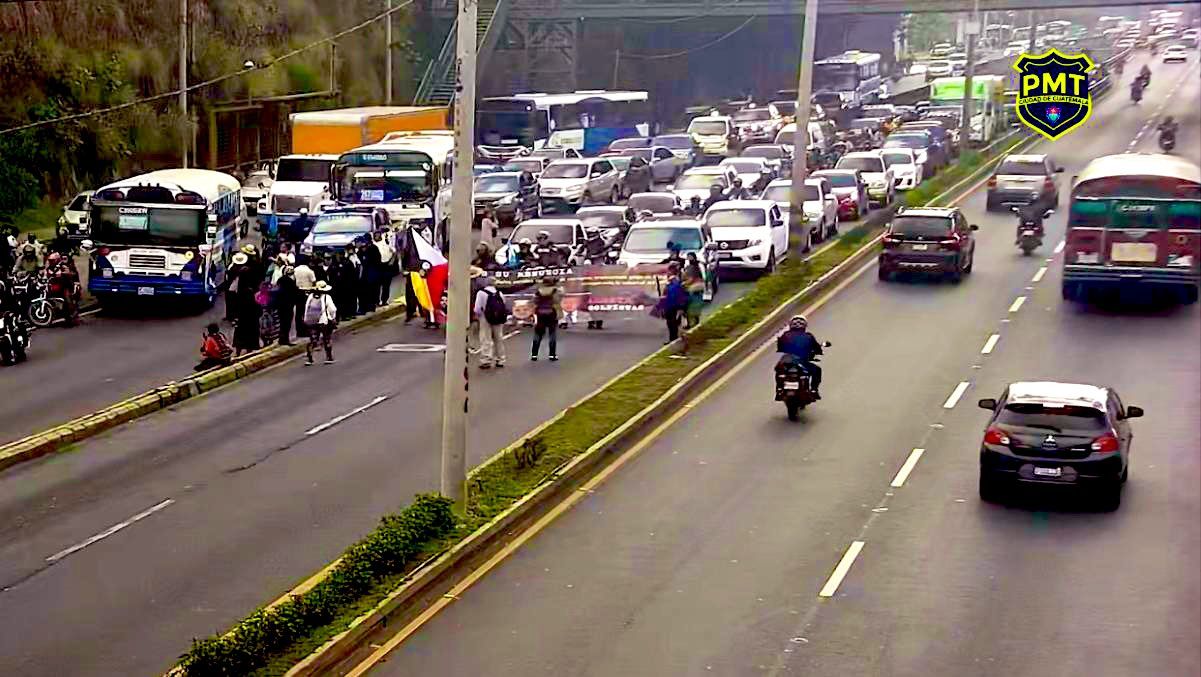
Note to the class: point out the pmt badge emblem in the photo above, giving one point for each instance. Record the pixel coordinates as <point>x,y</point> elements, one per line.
<point>1053,94</point>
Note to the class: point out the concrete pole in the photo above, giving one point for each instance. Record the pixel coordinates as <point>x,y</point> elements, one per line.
<point>971,34</point>
<point>454,381</point>
<point>1033,30</point>
<point>800,143</point>
<point>185,136</point>
<point>388,56</point>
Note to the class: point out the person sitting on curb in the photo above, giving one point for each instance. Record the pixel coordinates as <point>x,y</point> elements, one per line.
<point>215,351</point>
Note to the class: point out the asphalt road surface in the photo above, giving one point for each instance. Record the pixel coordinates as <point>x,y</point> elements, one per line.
<point>708,553</point>
<point>179,524</point>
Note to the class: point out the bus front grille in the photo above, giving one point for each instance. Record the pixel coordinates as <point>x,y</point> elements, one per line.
<point>147,261</point>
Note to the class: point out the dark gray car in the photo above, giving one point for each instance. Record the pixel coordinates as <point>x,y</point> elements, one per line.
<point>1022,180</point>
<point>1057,434</point>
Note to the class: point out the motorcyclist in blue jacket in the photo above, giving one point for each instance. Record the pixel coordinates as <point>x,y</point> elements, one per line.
<point>802,346</point>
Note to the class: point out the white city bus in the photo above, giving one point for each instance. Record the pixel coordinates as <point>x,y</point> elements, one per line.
<point>851,79</point>
<point>406,173</point>
<point>586,120</point>
<point>166,233</point>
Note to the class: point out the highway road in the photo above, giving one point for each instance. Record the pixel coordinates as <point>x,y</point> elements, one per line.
<point>716,549</point>
<point>179,524</point>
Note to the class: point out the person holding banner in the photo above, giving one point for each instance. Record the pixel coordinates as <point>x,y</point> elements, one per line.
<point>548,311</point>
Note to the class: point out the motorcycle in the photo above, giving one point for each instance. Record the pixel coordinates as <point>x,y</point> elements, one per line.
<point>1136,93</point>
<point>45,300</point>
<point>14,339</point>
<point>793,385</point>
<point>1167,141</point>
<point>1030,235</point>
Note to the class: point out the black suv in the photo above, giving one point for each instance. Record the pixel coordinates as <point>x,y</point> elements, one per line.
<point>929,240</point>
<point>1065,434</point>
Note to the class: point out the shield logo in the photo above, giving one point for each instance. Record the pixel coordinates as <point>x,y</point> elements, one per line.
<point>1053,95</point>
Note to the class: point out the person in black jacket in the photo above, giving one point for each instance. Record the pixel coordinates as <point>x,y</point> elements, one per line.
<point>798,344</point>
<point>346,276</point>
<point>369,258</point>
<point>715,196</point>
<point>285,300</point>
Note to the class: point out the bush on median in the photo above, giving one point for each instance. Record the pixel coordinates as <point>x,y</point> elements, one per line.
<point>390,548</point>
<point>304,622</point>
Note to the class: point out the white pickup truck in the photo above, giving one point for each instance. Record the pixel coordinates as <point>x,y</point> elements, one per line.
<point>819,202</point>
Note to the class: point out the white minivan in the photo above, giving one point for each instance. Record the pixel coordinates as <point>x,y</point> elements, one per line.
<point>750,234</point>
<point>879,177</point>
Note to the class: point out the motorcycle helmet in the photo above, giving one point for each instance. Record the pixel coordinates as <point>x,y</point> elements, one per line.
<point>798,322</point>
<point>53,259</point>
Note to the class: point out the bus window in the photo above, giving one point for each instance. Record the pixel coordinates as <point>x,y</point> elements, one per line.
<point>1184,215</point>
<point>1088,214</point>
<point>1135,215</point>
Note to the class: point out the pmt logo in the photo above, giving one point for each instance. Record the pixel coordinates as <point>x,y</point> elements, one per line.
<point>1053,98</point>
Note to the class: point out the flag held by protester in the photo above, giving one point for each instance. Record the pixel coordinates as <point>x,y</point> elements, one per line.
<point>430,282</point>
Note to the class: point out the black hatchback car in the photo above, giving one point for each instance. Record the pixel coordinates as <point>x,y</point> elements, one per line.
<point>1062,434</point>
<point>934,240</point>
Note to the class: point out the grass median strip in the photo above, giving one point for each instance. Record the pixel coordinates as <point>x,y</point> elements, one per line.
<point>270,642</point>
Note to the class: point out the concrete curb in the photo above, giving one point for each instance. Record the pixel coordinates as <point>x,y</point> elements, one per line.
<point>56,438</point>
<point>437,574</point>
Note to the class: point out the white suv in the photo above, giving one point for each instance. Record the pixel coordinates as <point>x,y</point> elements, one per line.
<point>750,234</point>
<point>881,188</point>
<point>907,171</point>
<point>571,184</point>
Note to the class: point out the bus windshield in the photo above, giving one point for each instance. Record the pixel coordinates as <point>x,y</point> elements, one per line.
<point>380,185</point>
<point>510,127</point>
<point>151,226</point>
<point>836,77</point>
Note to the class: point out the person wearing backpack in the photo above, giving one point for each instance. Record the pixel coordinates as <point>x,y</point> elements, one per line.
<point>548,311</point>
<point>215,351</point>
<point>493,314</point>
<point>320,317</point>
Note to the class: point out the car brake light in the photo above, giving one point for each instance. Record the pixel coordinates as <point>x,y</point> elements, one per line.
<point>992,182</point>
<point>995,436</point>
<point>952,243</point>
<point>1105,444</point>
<point>1048,183</point>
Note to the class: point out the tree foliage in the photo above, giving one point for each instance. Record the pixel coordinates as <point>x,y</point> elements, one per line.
<point>59,58</point>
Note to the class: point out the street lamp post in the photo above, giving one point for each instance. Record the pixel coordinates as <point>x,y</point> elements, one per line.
<point>800,143</point>
<point>454,379</point>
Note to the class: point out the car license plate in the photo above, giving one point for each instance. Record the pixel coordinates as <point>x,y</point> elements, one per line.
<point>725,255</point>
<point>145,291</point>
<point>1134,252</point>
<point>1048,472</point>
<point>792,385</point>
<point>920,247</point>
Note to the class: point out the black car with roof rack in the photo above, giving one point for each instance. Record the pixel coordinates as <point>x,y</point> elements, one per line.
<point>935,240</point>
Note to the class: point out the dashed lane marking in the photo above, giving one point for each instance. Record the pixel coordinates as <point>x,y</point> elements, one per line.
<point>1038,277</point>
<point>338,419</point>
<point>62,554</point>
<point>1017,304</point>
<point>840,571</point>
<point>955,395</point>
<point>1059,247</point>
<point>990,344</point>
<point>906,468</point>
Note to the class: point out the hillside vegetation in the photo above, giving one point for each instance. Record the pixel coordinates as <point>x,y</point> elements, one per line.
<point>58,58</point>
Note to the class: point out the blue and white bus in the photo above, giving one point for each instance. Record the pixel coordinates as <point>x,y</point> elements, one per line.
<point>407,173</point>
<point>167,233</point>
<point>586,120</point>
<point>848,80</point>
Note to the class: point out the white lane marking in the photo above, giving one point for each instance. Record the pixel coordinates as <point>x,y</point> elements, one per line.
<point>1017,304</point>
<point>990,344</point>
<point>1059,247</point>
<point>909,465</point>
<point>955,395</point>
<point>338,419</point>
<point>840,571</point>
<point>1038,277</point>
<point>108,532</point>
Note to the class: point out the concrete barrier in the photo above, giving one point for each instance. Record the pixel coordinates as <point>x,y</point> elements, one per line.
<point>54,439</point>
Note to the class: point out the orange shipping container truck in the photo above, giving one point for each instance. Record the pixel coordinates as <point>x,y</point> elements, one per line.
<point>331,132</point>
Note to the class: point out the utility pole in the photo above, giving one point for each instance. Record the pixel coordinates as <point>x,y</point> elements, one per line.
<point>971,33</point>
<point>454,380</point>
<point>1033,30</point>
<point>388,56</point>
<point>804,90</point>
<point>185,136</point>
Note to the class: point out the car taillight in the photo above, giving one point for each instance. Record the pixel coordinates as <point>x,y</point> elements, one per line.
<point>951,244</point>
<point>1048,184</point>
<point>992,182</point>
<point>996,436</point>
<point>890,241</point>
<point>1105,444</point>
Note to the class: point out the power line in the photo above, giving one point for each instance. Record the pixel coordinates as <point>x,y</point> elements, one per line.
<point>679,19</point>
<point>208,83</point>
<point>685,52</point>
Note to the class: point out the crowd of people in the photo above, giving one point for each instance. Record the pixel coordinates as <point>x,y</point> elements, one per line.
<point>22,262</point>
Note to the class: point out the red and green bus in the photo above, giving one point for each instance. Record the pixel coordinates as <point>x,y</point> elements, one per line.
<point>1134,223</point>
